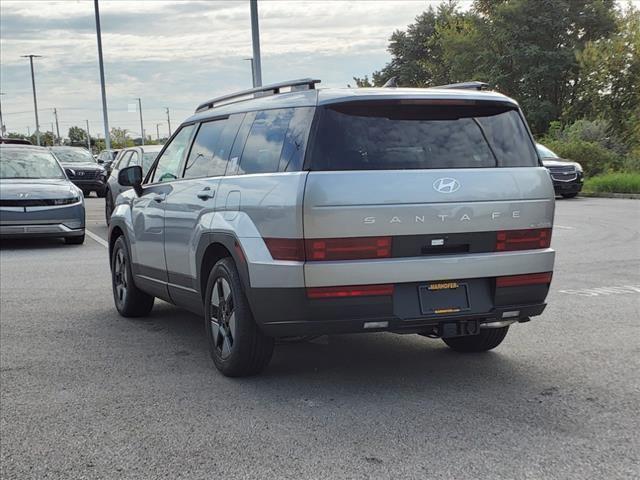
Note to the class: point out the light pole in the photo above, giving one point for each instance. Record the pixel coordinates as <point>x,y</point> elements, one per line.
<point>141,125</point>
<point>168,121</point>
<point>3,129</point>
<point>253,71</point>
<point>107,137</point>
<point>255,38</point>
<point>88,137</point>
<point>158,130</point>
<point>35,100</point>
<point>55,114</point>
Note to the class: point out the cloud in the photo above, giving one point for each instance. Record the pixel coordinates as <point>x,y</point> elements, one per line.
<point>179,53</point>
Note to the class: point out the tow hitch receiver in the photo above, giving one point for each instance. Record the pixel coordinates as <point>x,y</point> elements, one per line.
<point>459,329</point>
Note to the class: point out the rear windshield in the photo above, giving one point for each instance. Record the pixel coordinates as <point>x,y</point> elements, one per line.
<point>401,135</point>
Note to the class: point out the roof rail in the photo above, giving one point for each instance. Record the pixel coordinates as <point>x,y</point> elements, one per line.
<point>474,85</point>
<point>265,90</point>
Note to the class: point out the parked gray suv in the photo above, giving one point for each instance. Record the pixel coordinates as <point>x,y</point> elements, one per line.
<point>288,210</point>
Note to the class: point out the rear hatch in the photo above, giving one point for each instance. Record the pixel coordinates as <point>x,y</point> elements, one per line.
<point>439,177</point>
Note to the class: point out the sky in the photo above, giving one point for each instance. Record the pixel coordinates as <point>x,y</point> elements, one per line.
<point>178,54</point>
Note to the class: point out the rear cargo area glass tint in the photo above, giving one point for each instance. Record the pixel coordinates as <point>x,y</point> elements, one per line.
<point>405,134</point>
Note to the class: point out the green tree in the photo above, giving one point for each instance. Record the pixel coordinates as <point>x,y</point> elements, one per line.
<point>77,136</point>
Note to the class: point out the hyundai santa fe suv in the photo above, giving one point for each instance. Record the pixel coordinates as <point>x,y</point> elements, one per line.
<point>289,210</point>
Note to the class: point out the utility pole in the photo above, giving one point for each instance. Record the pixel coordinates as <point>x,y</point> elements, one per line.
<point>107,137</point>
<point>35,100</point>
<point>255,38</point>
<point>158,130</point>
<point>88,137</point>
<point>141,125</point>
<point>168,121</point>
<point>3,129</point>
<point>55,114</point>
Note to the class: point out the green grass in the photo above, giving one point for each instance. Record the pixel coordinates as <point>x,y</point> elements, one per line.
<point>613,183</point>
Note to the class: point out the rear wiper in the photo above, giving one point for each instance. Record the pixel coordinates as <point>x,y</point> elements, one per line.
<point>484,135</point>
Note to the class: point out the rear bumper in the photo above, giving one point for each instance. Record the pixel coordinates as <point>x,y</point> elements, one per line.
<point>288,311</point>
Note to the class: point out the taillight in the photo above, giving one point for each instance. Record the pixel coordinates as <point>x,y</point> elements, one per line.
<point>329,248</point>
<point>286,248</point>
<point>351,291</point>
<point>521,280</point>
<point>523,239</point>
<point>348,248</point>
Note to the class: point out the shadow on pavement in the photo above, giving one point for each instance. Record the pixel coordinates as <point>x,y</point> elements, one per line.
<point>33,243</point>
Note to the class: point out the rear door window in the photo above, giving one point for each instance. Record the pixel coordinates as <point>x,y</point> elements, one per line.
<point>211,147</point>
<point>393,135</point>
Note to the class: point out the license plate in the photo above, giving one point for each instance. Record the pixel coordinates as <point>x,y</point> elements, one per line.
<point>443,298</point>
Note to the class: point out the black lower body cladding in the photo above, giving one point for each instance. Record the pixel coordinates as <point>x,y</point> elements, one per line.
<point>289,312</point>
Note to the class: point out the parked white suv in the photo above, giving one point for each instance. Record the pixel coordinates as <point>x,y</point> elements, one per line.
<point>289,210</point>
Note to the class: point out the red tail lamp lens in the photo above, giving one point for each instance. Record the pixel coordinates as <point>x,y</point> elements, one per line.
<point>529,239</point>
<point>348,248</point>
<point>286,248</point>
<point>352,291</point>
<point>521,280</point>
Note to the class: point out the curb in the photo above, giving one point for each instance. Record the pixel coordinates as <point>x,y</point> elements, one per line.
<point>633,196</point>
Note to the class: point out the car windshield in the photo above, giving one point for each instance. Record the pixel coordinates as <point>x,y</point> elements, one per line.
<point>147,160</point>
<point>73,155</point>
<point>28,164</point>
<point>544,152</point>
<point>417,135</point>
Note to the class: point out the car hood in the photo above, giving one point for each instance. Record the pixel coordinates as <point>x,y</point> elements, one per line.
<point>81,165</point>
<point>36,189</point>
<point>557,163</point>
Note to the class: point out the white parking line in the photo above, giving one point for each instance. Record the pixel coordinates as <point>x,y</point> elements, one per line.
<point>562,227</point>
<point>98,239</point>
<point>599,291</point>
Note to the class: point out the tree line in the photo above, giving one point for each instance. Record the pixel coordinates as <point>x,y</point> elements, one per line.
<point>573,65</point>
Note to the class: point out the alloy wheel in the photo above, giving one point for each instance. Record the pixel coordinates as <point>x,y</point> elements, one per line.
<point>223,317</point>
<point>120,276</point>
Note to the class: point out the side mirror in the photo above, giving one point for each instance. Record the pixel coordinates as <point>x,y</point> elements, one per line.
<point>100,161</point>
<point>131,177</point>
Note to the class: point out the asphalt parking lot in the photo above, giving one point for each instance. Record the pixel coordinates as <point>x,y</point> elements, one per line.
<point>88,394</point>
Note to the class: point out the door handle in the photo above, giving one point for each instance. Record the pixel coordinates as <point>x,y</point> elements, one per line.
<point>159,197</point>
<point>206,193</point>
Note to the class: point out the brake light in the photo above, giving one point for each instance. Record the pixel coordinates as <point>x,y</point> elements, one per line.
<point>523,239</point>
<point>286,248</point>
<point>348,292</point>
<point>348,248</point>
<point>521,280</point>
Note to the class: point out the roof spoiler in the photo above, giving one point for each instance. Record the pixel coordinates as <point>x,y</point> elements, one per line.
<point>474,85</point>
<point>266,90</point>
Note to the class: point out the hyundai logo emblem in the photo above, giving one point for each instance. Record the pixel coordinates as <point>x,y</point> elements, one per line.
<point>23,195</point>
<point>446,185</point>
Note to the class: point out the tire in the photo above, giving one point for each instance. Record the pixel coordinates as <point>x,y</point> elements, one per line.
<point>237,346</point>
<point>129,299</point>
<point>108,207</point>
<point>487,339</point>
<point>569,195</point>
<point>74,240</point>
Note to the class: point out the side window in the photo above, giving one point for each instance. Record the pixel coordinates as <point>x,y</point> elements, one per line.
<point>168,165</point>
<point>124,161</point>
<point>262,152</point>
<point>295,142</point>
<point>240,141</point>
<point>134,159</point>
<point>203,161</point>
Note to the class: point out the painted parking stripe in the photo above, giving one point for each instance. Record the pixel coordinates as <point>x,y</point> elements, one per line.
<point>98,239</point>
<point>603,291</point>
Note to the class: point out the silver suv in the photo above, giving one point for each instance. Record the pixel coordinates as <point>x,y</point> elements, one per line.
<point>288,211</point>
